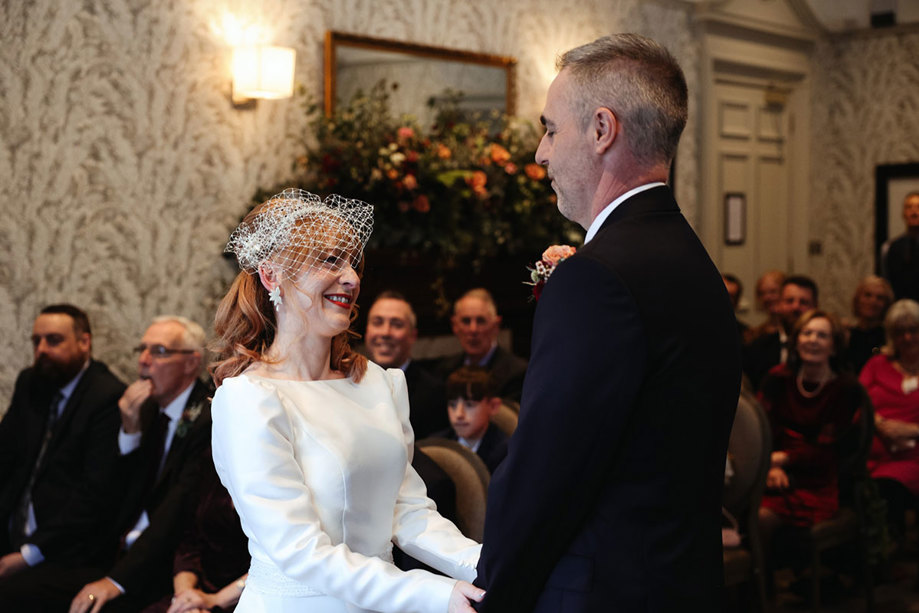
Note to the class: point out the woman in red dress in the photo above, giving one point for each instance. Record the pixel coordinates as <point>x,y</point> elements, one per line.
<point>812,407</point>
<point>892,381</point>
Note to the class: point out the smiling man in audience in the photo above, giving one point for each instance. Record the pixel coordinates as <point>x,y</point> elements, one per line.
<point>392,330</point>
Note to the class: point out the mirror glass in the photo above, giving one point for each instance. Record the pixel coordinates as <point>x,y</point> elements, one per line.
<point>420,75</point>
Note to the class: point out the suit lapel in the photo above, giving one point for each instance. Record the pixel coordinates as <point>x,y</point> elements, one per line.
<point>182,435</point>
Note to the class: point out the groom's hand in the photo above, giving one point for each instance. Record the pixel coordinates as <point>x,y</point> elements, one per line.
<point>462,593</point>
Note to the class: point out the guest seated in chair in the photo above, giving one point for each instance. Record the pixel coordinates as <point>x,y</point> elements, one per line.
<point>799,294</point>
<point>892,381</point>
<point>768,300</point>
<point>476,324</point>
<point>391,333</point>
<point>57,451</point>
<point>212,560</point>
<point>472,402</point>
<point>812,408</point>
<point>866,335</point>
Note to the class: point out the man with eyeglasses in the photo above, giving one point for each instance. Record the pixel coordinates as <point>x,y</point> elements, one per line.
<point>57,451</point>
<point>165,433</point>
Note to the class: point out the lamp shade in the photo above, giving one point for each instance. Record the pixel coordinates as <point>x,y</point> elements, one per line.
<point>263,72</point>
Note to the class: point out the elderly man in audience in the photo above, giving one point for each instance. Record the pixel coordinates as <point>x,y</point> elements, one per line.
<point>476,324</point>
<point>165,427</point>
<point>391,333</point>
<point>799,295</point>
<point>900,255</point>
<point>57,451</point>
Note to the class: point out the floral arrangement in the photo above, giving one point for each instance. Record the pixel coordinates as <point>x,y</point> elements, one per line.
<point>466,186</point>
<point>543,269</point>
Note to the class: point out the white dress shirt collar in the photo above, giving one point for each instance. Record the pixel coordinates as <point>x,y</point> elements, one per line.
<point>599,219</point>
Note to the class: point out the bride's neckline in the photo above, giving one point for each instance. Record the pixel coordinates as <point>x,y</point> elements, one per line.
<point>289,380</point>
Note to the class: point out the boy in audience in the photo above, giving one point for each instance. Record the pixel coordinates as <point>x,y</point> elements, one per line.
<point>472,400</point>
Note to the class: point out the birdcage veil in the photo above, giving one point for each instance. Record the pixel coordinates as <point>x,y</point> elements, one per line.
<point>297,230</point>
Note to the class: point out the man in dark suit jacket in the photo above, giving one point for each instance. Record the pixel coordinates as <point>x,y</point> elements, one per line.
<point>57,450</point>
<point>799,295</point>
<point>165,427</point>
<point>610,496</point>
<point>476,325</point>
<point>392,330</point>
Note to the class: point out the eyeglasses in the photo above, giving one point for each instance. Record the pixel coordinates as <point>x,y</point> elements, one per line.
<point>159,351</point>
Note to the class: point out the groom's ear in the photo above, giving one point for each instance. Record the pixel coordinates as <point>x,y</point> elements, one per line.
<point>605,129</point>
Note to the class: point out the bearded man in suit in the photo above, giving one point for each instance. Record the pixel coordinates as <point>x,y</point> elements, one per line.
<point>610,496</point>
<point>57,450</point>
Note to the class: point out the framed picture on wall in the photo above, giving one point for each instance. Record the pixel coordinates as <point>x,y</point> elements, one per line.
<point>892,183</point>
<point>735,218</point>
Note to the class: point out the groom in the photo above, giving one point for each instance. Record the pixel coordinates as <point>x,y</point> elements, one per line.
<point>609,498</point>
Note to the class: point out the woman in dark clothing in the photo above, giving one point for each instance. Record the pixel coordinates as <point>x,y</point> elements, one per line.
<point>812,408</point>
<point>212,560</point>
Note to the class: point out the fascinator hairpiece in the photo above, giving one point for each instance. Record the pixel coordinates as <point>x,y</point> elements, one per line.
<point>297,230</point>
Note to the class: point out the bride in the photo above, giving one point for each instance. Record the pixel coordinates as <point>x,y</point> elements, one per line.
<point>311,440</point>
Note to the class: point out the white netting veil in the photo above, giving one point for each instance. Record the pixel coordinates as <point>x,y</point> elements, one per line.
<point>296,230</point>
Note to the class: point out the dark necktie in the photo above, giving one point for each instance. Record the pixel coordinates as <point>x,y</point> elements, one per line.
<point>21,514</point>
<point>158,446</point>
<point>157,438</point>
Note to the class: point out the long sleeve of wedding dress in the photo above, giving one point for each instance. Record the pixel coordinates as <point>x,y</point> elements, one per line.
<point>320,475</point>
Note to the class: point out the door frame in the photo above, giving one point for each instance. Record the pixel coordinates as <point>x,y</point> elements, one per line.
<point>743,54</point>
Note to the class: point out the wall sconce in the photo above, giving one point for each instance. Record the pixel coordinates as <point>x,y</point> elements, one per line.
<point>262,72</point>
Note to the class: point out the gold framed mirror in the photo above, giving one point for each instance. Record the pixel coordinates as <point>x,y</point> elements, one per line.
<point>419,75</point>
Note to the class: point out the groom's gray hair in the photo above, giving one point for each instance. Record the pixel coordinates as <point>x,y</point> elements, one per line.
<point>640,82</point>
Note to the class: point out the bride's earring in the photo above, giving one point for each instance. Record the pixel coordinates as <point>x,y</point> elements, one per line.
<point>275,297</point>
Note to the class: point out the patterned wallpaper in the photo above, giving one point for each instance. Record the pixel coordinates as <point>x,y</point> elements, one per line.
<point>865,113</point>
<point>123,166</point>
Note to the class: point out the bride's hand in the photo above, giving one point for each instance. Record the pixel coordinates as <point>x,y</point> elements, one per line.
<point>462,593</point>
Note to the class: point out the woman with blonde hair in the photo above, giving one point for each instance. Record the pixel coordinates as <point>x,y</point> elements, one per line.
<point>313,441</point>
<point>870,302</point>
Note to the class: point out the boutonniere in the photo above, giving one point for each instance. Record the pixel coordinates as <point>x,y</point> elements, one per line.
<point>189,415</point>
<point>543,269</point>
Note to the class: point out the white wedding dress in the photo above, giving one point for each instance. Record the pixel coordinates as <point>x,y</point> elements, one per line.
<point>320,474</point>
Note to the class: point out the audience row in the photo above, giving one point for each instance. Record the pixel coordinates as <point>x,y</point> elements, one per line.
<point>111,499</point>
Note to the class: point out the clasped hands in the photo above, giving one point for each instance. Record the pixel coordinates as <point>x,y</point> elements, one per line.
<point>777,478</point>
<point>192,600</point>
<point>898,435</point>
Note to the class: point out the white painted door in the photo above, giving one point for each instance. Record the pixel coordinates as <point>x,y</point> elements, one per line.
<point>750,158</point>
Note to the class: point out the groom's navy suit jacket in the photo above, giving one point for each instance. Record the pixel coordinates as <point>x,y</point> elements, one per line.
<point>609,498</point>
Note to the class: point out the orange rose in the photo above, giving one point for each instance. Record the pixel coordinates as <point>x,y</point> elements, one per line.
<point>392,173</point>
<point>535,171</point>
<point>556,253</point>
<point>510,168</point>
<point>410,182</point>
<point>499,155</point>
<point>443,152</point>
